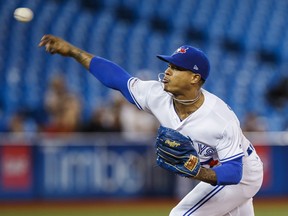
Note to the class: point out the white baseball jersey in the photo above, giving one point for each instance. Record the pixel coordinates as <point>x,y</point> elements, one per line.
<point>216,134</point>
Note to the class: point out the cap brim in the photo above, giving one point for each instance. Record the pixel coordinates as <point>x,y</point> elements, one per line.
<point>171,60</point>
<point>165,58</point>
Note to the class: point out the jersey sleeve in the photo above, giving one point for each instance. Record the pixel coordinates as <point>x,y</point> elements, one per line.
<point>230,146</point>
<point>140,91</point>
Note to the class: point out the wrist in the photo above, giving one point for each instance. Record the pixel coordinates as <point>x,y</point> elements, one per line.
<point>74,52</point>
<point>207,175</point>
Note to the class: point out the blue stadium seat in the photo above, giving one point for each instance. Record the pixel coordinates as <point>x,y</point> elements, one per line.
<point>154,27</point>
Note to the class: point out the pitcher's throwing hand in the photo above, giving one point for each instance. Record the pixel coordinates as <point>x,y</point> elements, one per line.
<point>55,45</point>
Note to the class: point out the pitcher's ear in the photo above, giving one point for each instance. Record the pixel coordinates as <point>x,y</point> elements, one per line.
<point>196,78</point>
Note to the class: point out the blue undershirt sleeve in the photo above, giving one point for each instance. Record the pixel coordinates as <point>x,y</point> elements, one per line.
<point>111,75</point>
<point>229,172</point>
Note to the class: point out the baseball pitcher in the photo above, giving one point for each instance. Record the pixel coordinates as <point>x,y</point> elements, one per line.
<point>199,137</point>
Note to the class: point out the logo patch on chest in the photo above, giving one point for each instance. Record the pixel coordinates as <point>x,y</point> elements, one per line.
<point>205,150</point>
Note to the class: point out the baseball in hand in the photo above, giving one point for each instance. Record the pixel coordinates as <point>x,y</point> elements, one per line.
<point>23,14</point>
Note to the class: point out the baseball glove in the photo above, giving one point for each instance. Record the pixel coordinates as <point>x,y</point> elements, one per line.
<point>175,153</point>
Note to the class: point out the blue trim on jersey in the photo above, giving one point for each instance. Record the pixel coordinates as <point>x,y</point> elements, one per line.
<point>135,101</point>
<point>204,200</point>
<point>232,157</point>
<point>230,172</point>
<point>111,75</point>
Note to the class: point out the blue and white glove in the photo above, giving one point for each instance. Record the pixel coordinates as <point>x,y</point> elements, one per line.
<point>175,153</point>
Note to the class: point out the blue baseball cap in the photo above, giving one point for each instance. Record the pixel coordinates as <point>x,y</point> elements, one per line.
<point>189,58</point>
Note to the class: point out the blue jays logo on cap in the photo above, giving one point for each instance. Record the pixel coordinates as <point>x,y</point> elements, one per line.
<point>189,58</point>
<point>181,50</point>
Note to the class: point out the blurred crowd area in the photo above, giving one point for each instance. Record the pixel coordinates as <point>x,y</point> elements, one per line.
<point>62,111</point>
<point>245,40</point>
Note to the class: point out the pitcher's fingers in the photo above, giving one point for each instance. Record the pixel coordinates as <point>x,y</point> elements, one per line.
<point>46,37</point>
<point>44,41</point>
<point>48,47</point>
<point>52,51</point>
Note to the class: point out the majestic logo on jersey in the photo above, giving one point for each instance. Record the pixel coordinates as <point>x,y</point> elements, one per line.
<point>181,50</point>
<point>205,150</point>
<point>172,143</point>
